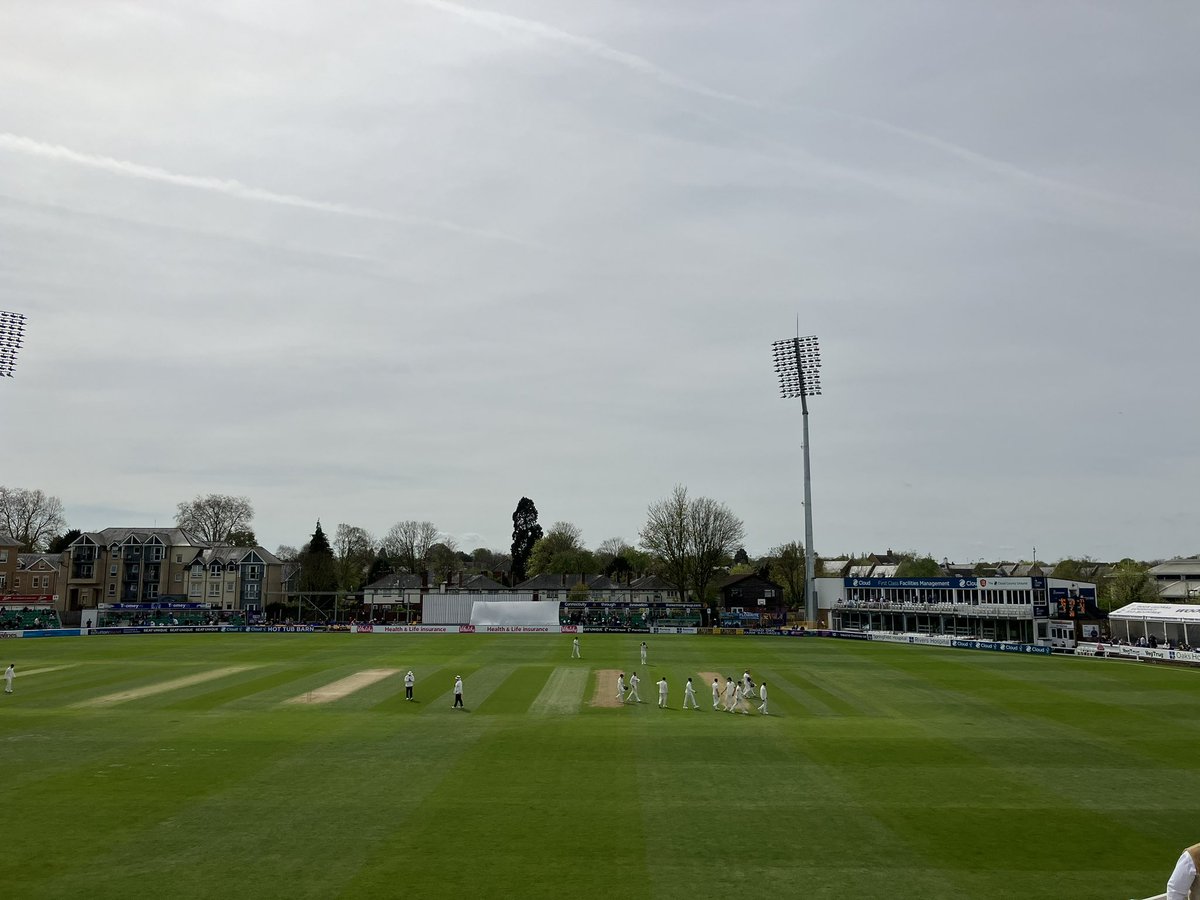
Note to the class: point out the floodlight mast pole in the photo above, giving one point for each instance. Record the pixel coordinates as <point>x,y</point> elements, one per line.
<point>12,333</point>
<point>797,362</point>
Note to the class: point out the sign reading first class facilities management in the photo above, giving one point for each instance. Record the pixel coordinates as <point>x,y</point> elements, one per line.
<point>963,583</point>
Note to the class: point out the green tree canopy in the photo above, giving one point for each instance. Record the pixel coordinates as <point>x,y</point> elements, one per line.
<point>526,533</point>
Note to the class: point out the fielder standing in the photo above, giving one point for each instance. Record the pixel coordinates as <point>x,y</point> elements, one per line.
<point>762,695</point>
<point>643,653</point>
<point>633,692</point>
<point>409,681</point>
<point>575,654</point>
<point>621,686</point>
<point>689,693</point>
<point>662,692</point>
<point>9,674</point>
<point>730,694</point>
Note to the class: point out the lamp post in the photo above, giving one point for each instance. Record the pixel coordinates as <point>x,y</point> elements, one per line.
<point>798,365</point>
<point>12,332</point>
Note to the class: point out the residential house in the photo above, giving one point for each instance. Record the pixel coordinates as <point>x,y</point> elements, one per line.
<point>37,574</point>
<point>754,595</point>
<point>9,562</point>
<point>155,565</point>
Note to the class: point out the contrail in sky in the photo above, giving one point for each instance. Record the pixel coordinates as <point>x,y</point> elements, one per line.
<point>231,188</point>
<point>509,25</point>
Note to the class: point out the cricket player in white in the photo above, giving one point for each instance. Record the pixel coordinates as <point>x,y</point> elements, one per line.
<point>575,654</point>
<point>716,693</point>
<point>730,695</point>
<point>643,653</point>
<point>621,687</point>
<point>633,683</point>
<point>762,695</point>
<point>689,693</point>
<point>9,674</point>
<point>747,684</point>
<point>662,692</point>
<point>1182,883</point>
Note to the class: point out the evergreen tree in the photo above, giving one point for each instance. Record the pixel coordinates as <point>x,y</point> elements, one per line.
<point>318,568</point>
<point>526,533</point>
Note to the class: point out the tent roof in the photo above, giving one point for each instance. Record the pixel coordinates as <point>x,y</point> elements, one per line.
<point>1158,612</point>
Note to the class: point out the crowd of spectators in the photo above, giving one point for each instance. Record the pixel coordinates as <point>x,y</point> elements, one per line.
<point>13,619</point>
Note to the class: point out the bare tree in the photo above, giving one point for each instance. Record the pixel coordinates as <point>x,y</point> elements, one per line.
<point>31,517</point>
<point>714,533</point>
<point>213,517</point>
<point>787,567</point>
<point>665,534</point>
<point>286,552</point>
<point>354,551</point>
<point>444,559</point>
<point>691,538</point>
<point>407,544</point>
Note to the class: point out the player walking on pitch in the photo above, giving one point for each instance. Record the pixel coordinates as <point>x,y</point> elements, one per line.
<point>689,693</point>
<point>9,674</point>
<point>662,692</point>
<point>730,694</point>
<point>716,693</point>
<point>458,701</point>
<point>633,692</point>
<point>575,654</point>
<point>762,695</point>
<point>621,686</point>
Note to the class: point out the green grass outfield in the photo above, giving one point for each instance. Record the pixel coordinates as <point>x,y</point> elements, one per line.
<point>883,771</point>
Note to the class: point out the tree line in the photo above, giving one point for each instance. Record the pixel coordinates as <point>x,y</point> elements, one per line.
<point>689,542</point>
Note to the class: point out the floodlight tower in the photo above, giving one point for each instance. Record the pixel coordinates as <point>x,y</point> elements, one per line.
<point>12,332</point>
<point>798,364</point>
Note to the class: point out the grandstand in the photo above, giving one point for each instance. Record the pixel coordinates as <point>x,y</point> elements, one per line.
<point>165,614</point>
<point>26,616</point>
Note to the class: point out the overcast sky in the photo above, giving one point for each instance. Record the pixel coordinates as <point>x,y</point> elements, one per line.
<point>372,261</point>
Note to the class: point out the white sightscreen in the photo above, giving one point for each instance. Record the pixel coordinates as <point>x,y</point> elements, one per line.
<point>515,612</point>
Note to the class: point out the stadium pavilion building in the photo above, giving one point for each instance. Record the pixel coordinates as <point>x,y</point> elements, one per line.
<point>1034,610</point>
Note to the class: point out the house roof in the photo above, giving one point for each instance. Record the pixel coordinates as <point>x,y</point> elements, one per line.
<point>397,581</point>
<point>42,561</point>
<point>730,580</point>
<point>227,554</point>
<point>171,537</point>
<point>1177,568</point>
<point>8,541</point>
<point>652,583</point>
<point>482,583</point>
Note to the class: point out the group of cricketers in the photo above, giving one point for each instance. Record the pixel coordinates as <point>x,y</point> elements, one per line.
<point>735,696</point>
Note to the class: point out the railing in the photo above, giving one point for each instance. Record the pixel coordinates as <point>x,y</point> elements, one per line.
<point>990,610</point>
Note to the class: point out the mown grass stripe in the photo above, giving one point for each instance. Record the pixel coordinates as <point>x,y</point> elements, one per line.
<point>562,693</point>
